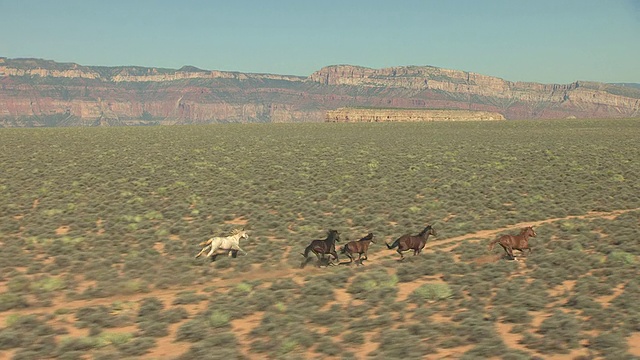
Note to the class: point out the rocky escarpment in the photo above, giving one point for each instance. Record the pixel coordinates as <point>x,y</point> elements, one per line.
<point>511,98</point>
<point>394,115</point>
<point>47,68</point>
<point>36,92</point>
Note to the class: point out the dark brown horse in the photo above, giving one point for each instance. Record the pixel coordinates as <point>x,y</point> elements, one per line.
<point>322,247</point>
<point>518,242</point>
<point>359,247</point>
<point>412,242</point>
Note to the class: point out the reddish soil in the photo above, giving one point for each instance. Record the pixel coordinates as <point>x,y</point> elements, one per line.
<point>242,328</point>
<point>634,344</point>
<point>62,230</point>
<point>237,221</point>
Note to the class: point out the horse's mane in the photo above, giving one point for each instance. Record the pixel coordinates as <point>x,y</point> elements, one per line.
<point>231,233</point>
<point>368,237</point>
<point>236,231</point>
<point>424,231</point>
<point>332,233</point>
<point>524,230</point>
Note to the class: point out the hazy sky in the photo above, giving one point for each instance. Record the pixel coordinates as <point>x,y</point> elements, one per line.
<point>548,41</point>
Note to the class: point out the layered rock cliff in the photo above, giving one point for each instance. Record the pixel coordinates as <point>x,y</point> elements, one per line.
<point>36,92</point>
<point>408,115</point>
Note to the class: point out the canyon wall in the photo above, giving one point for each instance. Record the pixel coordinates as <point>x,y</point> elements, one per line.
<point>35,92</point>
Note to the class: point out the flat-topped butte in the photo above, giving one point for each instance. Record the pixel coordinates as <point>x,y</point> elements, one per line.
<point>387,115</point>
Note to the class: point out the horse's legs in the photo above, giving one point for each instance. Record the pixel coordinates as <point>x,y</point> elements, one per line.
<point>400,252</point>
<point>213,249</point>
<point>304,262</point>
<point>505,249</point>
<point>349,256</point>
<point>238,248</point>
<point>202,251</point>
<point>510,252</point>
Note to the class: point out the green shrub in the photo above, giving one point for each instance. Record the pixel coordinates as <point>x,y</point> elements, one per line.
<point>353,337</point>
<point>365,285</point>
<point>19,284</point>
<point>106,355</point>
<point>611,345</point>
<point>76,344</point>
<point>559,333</point>
<point>219,319</point>
<point>188,297</point>
<point>10,301</point>
<point>153,328</point>
<point>193,331</point>
<point>99,316</point>
<point>400,344</point>
<point>113,338</point>
<point>486,348</point>
<point>516,315</point>
<point>287,346</point>
<point>137,346</point>
<point>10,339</point>
<point>204,350</point>
<point>47,284</point>
<point>328,347</point>
<point>431,292</point>
<point>621,258</point>
<point>150,307</point>
<point>175,315</point>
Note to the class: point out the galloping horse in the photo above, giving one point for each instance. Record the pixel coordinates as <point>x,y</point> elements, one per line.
<point>229,244</point>
<point>358,247</point>
<point>411,242</point>
<point>518,242</point>
<point>322,247</point>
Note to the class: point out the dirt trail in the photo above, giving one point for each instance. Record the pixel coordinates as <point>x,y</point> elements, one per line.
<point>489,234</point>
<point>483,234</point>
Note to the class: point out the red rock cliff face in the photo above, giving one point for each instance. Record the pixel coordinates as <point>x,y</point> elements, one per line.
<point>37,92</point>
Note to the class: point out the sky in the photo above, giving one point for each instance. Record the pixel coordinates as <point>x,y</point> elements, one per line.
<point>546,41</point>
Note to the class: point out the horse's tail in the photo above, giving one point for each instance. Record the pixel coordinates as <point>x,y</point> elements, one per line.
<point>306,251</point>
<point>343,249</point>
<point>493,243</point>
<point>395,244</point>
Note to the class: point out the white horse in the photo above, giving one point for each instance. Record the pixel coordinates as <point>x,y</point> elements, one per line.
<point>229,244</point>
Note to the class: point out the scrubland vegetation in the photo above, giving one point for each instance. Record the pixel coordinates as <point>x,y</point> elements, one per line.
<point>99,228</point>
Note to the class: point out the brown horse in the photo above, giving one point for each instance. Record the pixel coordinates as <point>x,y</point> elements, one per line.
<point>411,242</point>
<point>322,247</point>
<point>518,242</point>
<point>359,247</point>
